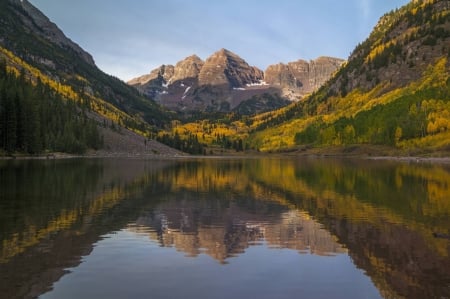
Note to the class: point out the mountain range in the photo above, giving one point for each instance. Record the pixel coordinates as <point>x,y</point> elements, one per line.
<point>393,92</point>
<point>225,80</point>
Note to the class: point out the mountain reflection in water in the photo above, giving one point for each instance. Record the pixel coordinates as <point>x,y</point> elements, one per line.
<point>384,215</point>
<point>190,227</point>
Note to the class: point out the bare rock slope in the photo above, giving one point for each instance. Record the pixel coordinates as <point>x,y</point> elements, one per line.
<point>225,80</point>
<point>301,77</point>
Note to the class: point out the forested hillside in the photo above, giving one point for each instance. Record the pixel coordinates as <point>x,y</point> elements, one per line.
<point>35,119</point>
<point>394,91</point>
<point>34,39</point>
<point>54,98</point>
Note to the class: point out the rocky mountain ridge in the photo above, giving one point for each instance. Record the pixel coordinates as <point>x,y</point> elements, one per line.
<point>302,77</point>
<point>35,21</point>
<point>225,80</point>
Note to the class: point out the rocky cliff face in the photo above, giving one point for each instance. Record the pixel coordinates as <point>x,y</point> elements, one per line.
<point>161,74</point>
<point>301,77</point>
<point>218,84</point>
<point>187,69</point>
<point>225,80</point>
<point>153,84</point>
<point>227,69</point>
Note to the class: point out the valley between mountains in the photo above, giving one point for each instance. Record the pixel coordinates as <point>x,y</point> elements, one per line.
<point>390,97</point>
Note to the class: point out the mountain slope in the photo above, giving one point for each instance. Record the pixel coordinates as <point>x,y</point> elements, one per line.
<point>34,119</point>
<point>394,90</point>
<point>169,83</point>
<point>225,81</point>
<point>54,98</point>
<point>228,69</point>
<point>30,36</point>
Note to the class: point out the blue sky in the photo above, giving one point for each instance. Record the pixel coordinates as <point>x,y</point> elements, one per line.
<point>130,38</point>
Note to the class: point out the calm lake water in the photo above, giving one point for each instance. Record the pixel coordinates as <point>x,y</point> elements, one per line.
<point>224,228</point>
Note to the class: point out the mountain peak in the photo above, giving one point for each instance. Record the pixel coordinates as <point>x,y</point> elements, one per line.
<point>187,69</point>
<point>225,68</point>
<point>225,78</point>
<point>193,57</point>
<point>227,54</point>
<point>225,51</point>
<point>162,73</point>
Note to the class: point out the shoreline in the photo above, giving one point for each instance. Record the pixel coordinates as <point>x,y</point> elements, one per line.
<point>418,159</point>
<point>149,156</point>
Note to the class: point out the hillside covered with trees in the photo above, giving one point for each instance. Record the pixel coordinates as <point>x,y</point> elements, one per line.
<point>394,91</point>
<point>54,98</point>
<point>34,119</point>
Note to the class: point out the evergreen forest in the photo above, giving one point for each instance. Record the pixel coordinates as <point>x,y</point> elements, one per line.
<point>34,119</point>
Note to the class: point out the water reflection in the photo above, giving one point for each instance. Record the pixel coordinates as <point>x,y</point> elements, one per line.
<point>223,230</point>
<point>384,215</point>
<point>52,212</point>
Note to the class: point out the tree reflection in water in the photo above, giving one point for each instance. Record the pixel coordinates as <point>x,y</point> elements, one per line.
<point>384,215</point>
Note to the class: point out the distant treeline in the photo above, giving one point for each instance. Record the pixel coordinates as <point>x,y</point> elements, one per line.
<point>191,145</point>
<point>35,119</point>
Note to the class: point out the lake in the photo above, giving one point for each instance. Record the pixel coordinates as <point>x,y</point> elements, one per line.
<point>224,228</point>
